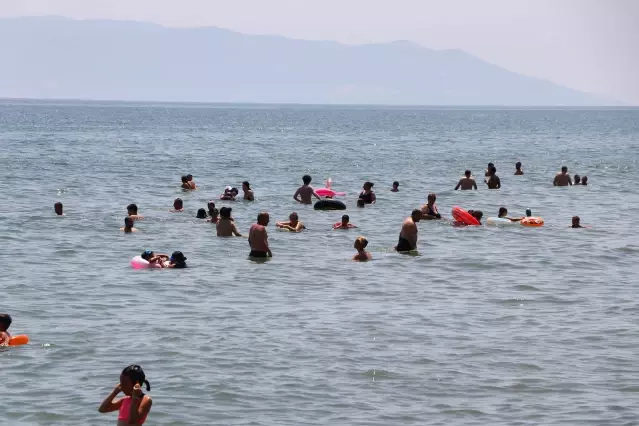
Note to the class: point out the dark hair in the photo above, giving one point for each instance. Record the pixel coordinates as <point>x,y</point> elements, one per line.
<point>432,195</point>
<point>518,165</point>
<point>467,172</point>
<point>493,169</point>
<point>128,221</point>
<point>132,208</point>
<point>178,257</point>
<point>564,168</point>
<point>306,179</point>
<point>576,218</point>
<point>368,183</point>
<point>584,179</point>
<point>201,214</point>
<point>247,184</point>
<point>395,183</point>
<point>345,217</point>
<point>147,254</point>
<point>189,177</point>
<point>136,374</point>
<point>225,212</point>
<point>184,179</point>
<point>490,165</point>
<point>503,210</point>
<point>6,320</point>
<point>58,204</point>
<point>416,212</point>
<point>235,190</point>
<point>178,201</point>
<point>577,178</point>
<point>261,215</point>
<point>210,205</point>
<point>477,214</point>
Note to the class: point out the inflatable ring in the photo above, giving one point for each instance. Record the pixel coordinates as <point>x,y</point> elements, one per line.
<point>21,339</point>
<point>329,205</point>
<point>138,263</point>
<point>534,222</point>
<point>461,215</point>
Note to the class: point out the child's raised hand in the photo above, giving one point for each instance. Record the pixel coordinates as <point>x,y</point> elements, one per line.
<point>117,389</point>
<point>137,391</point>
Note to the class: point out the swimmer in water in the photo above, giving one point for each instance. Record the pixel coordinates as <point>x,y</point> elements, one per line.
<point>136,405</point>
<point>429,210</point>
<point>584,181</point>
<point>367,193</point>
<point>128,226</point>
<point>201,214</point>
<point>562,178</point>
<point>5,323</point>
<point>477,214</point>
<point>518,170</point>
<point>362,255</point>
<point>576,222</point>
<point>487,172</point>
<point>214,215</point>
<point>154,259</point>
<point>577,180</point>
<point>178,206</point>
<point>225,225</point>
<point>185,183</point>
<point>408,234</point>
<point>361,203</point>
<point>248,192</point>
<point>395,187</point>
<point>176,261</point>
<point>344,224</point>
<point>467,182</point>
<point>258,237</point>
<point>305,192</point>
<point>132,211</point>
<point>503,214</point>
<point>293,224</point>
<point>58,208</point>
<point>190,181</point>
<point>493,181</point>
<point>229,194</point>
<point>210,206</point>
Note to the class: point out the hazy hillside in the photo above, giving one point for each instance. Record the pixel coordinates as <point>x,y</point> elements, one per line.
<point>49,57</point>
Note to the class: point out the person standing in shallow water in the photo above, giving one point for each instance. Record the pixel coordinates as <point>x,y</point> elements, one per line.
<point>408,234</point>
<point>136,405</point>
<point>248,192</point>
<point>562,178</point>
<point>128,226</point>
<point>467,182</point>
<point>493,181</point>
<point>367,193</point>
<point>395,187</point>
<point>518,170</point>
<point>429,210</point>
<point>258,237</point>
<point>360,245</point>
<point>305,193</point>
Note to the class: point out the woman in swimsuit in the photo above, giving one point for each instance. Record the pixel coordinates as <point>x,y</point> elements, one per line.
<point>136,405</point>
<point>430,211</point>
<point>367,194</point>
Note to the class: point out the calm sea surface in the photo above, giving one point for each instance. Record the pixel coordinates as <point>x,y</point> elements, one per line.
<point>486,326</point>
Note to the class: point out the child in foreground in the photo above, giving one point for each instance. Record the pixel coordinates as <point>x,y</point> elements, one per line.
<point>362,255</point>
<point>135,406</point>
<point>5,323</point>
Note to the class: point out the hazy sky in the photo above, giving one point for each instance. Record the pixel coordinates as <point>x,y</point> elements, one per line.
<point>591,45</point>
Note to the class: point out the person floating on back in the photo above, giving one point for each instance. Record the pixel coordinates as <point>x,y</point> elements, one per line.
<point>408,234</point>
<point>362,255</point>
<point>305,193</point>
<point>58,208</point>
<point>294,224</point>
<point>136,405</point>
<point>128,226</point>
<point>467,182</point>
<point>5,323</point>
<point>429,210</point>
<point>562,178</point>
<point>395,187</point>
<point>518,170</point>
<point>225,226</point>
<point>344,224</point>
<point>258,237</point>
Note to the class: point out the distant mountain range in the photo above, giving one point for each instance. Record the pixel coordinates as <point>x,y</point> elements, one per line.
<point>52,57</point>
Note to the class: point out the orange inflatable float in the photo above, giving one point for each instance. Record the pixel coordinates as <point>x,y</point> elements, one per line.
<point>461,215</point>
<point>21,339</point>
<point>533,222</point>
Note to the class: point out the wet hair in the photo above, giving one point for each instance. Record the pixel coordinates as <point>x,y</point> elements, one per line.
<point>5,319</point>
<point>128,222</point>
<point>576,219</point>
<point>179,203</point>
<point>306,179</point>
<point>369,184</point>
<point>345,217</point>
<point>132,208</point>
<point>261,215</point>
<point>432,195</point>
<point>577,178</point>
<point>136,375</point>
<point>503,211</point>
<point>564,169</point>
<point>147,254</point>
<point>518,165</point>
<point>178,257</point>
<point>395,183</point>
<point>493,170</point>
<point>57,207</point>
<point>189,177</point>
<point>362,242</point>
<point>246,183</point>
<point>528,213</point>
<point>490,165</point>
<point>58,204</point>
<point>235,191</point>
<point>185,179</point>
<point>477,214</point>
<point>225,212</point>
<point>467,173</point>
<point>201,214</point>
<point>295,215</point>
<point>584,180</point>
<point>416,213</point>
<point>361,203</point>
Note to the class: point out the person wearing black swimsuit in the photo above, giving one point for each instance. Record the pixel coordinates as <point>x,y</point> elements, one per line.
<point>367,194</point>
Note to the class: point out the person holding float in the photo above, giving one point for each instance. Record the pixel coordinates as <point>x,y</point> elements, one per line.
<point>344,224</point>
<point>135,407</point>
<point>293,225</point>
<point>5,338</point>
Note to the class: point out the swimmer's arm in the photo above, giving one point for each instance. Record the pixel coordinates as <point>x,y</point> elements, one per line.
<point>297,195</point>
<point>316,196</point>
<point>474,184</point>
<point>555,180</point>
<point>108,405</point>
<point>373,198</point>
<point>234,230</point>
<point>458,184</point>
<point>299,227</point>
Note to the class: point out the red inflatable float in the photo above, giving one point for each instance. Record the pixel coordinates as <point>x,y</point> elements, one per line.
<point>462,216</point>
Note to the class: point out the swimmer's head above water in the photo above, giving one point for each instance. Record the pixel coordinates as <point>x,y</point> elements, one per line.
<point>345,220</point>
<point>306,179</point>
<point>528,213</point>
<point>467,173</point>
<point>132,209</point>
<point>360,243</point>
<point>59,210</point>
<point>128,223</point>
<point>263,218</point>
<point>503,211</point>
<point>178,204</point>
<point>201,214</point>
<point>577,179</point>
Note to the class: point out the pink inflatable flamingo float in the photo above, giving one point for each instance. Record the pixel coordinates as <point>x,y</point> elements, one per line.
<point>328,192</point>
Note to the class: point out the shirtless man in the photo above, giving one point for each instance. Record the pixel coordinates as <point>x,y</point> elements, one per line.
<point>562,178</point>
<point>466,182</point>
<point>305,192</point>
<point>57,207</point>
<point>178,206</point>
<point>128,226</point>
<point>258,238</point>
<point>408,234</point>
<point>225,226</point>
<point>518,170</point>
<point>493,181</point>
<point>293,224</point>
<point>132,211</point>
